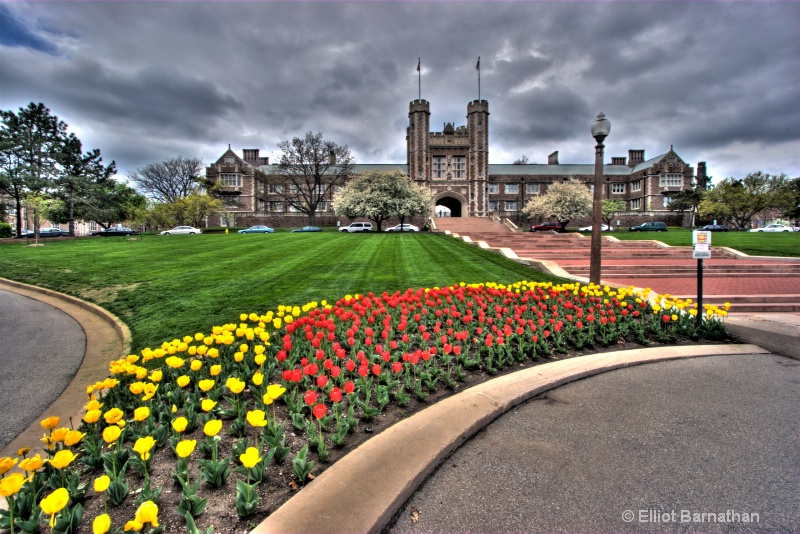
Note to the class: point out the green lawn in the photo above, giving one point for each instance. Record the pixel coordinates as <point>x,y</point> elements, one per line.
<point>171,286</point>
<point>755,244</point>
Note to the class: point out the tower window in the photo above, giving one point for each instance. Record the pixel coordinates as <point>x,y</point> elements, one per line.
<point>459,167</point>
<point>439,166</point>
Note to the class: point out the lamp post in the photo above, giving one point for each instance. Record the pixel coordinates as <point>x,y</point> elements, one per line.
<point>600,130</point>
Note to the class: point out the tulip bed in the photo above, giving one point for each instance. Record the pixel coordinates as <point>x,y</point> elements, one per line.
<point>289,388</point>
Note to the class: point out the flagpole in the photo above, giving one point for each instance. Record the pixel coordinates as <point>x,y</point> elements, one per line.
<point>419,73</point>
<point>478,68</point>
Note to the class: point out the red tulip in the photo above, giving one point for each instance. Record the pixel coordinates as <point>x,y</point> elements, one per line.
<point>336,394</point>
<point>349,387</point>
<point>319,411</point>
<point>310,397</point>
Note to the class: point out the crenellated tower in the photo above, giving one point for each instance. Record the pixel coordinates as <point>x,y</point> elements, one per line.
<point>419,119</point>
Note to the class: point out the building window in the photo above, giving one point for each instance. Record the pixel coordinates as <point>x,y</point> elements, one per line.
<point>512,189</point>
<point>231,180</point>
<point>229,160</point>
<point>636,185</point>
<point>480,172</point>
<point>510,205</point>
<point>532,189</point>
<point>439,166</point>
<point>671,180</point>
<point>494,188</point>
<point>459,167</point>
<point>230,202</point>
<point>636,204</point>
<point>493,205</point>
<point>260,205</point>
<point>276,206</point>
<point>617,189</point>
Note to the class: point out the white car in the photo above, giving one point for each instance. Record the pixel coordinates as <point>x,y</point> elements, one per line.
<point>773,228</point>
<point>357,227</point>
<point>603,228</point>
<point>182,230</point>
<point>403,228</point>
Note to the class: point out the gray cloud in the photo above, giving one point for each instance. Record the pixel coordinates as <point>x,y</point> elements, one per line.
<point>144,81</point>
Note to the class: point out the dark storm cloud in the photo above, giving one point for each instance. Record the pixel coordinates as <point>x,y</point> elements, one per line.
<point>145,81</point>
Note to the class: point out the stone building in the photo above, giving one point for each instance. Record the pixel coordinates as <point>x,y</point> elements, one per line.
<point>454,164</point>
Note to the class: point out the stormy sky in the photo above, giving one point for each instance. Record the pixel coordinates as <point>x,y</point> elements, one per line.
<point>146,81</point>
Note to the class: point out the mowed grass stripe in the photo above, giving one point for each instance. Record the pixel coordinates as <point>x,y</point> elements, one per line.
<point>167,287</point>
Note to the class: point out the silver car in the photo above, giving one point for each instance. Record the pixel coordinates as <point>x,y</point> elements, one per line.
<point>773,228</point>
<point>182,230</point>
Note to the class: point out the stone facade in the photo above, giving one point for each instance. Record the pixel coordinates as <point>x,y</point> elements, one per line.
<point>454,164</point>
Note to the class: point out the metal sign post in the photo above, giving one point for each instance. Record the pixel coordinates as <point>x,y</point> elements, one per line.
<point>701,240</point>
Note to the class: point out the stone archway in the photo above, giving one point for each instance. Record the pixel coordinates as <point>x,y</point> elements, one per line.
<point>452,202</point>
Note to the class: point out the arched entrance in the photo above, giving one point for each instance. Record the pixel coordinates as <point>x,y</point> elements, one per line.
<point>451,203</point>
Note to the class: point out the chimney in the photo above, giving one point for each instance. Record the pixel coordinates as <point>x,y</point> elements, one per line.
<point>619,161</point>
<point>332,157</point>
<point>552,159</point>
<point>635,156</point>
<point>251,155</point>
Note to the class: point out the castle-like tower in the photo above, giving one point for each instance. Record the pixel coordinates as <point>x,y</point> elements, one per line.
<point>453,163</point>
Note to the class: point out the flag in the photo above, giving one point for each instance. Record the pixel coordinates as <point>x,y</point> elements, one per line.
<point>478,64</point>
<point>419,61</point>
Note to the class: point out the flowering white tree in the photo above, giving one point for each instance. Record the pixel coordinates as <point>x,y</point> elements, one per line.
<point>564,201</point>
<point>379,195</point>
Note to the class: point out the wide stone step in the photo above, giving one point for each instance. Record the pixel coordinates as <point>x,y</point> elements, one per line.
<point>745,299</point>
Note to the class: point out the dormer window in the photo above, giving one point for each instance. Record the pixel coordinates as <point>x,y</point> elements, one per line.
<point>228,160</point>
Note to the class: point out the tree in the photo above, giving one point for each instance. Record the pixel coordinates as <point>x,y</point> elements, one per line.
<point>81,178</point>
<point>792,210</point>
<point>308,170</point>
<point>738,201</point>
<point>521,161</point>
<point>564,201</point>
<point>610,209</point>
<point>30,141</point>
<point>379,196</point>
<point>169,180</point>
<point>195,208</point>
<point>40,207</point>
<point>687,200</point>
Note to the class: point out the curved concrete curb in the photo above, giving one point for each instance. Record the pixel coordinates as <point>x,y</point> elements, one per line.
<point>107,338</point>
<point>362,491</point>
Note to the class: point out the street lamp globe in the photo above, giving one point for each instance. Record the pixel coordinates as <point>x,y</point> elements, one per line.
<point>601,127</point>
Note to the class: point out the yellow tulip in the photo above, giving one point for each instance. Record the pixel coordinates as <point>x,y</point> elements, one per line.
<point>215,370</point>
<point>101,524</point>
<point>133,525</point>
<point>148,513</point>
<point>143,446</point>
<point>274,392</point>
<point>207,405</point>
<point>141,413</point>
<point>111,433</point>
<point>156,375</point>
<point>11,484</point>
<point>260,358</point>
<point>92,416</point>
<point>213,352</point>
<point>174,362</point>
<point>110,382</point>
<point>50,423</point>
<point>179,424</point>
<point>136,387</point>
<point>141,373</point>
<point>196,365</point>
<point>183,381</point>
<point>6,463</point>
<point>113,415</point>
<point>54,503</point>
<point>212,427</point>
<point>58,435</point>
<point>250,457</point>
<point>149,391</point>
<point>23,451</point>
<point>185,448</point>
<point>206,385</point>
<point>256,418</point>
<point>31,464</point>
<point>62,459</point>
<point>238,357</point>
<point>73,437</point>
<point>101,483</point>
<point>235,385</point>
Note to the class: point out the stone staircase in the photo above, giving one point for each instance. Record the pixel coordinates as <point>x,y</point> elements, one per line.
<point>751,284</point>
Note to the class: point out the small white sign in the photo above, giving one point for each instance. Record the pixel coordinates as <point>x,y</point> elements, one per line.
<point>701,237</point>
<point>701,252</point>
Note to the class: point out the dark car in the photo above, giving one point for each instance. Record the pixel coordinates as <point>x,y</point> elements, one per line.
<point>308,229</point>
<point>22,233</point>
<point>546,227</point>
<point>649,227</point>
<point>714,228</point>
<point>52,232</point>
<point>115,231</point>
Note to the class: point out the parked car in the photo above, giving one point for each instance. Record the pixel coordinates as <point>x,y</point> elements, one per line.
<point>603,228</point>
<point>308,229</point>
<point>357,227</point>
<point>22,233</point>
<point>182,230</point>
<point>546,227</point>
<point>649,227</point>
<point>257,230</point>
<point>403,228</point>
<point>773,228</point>
<point>714,228</point>
<point>115,231</point>
<point>52,232</point>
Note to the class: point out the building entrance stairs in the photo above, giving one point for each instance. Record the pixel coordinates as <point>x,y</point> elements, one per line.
<point>752,284</point>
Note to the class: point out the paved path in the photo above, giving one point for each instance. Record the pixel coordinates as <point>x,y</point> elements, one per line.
<point>41,349</point>
<point>615,452</point>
